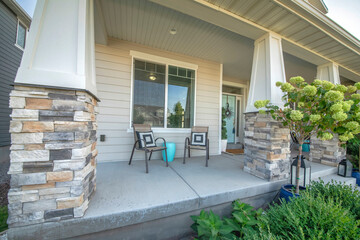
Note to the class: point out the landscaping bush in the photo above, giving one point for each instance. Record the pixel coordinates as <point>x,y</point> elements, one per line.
<point>310,217</point>
<point>323,211</point>
<point>3,218</point>
<point>340,193</point>
<point>243,222</point>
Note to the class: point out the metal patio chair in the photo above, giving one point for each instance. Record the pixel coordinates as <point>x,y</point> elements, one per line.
<point>141,144</point>
<point>197,144</point>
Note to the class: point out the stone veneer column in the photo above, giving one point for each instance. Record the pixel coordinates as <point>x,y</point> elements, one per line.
<point>267,147</point>
<point>53,154</point>
<point>326,152</point>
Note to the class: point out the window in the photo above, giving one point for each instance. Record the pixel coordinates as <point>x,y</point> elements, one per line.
<point>21,35</point>
<point>162,90</point>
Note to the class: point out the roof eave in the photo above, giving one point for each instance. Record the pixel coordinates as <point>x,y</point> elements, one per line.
<point>19,11</point>
<point>316,17</point>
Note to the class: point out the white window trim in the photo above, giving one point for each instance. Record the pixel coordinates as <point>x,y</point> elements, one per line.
<point>17,31</point>
<point>166,62</point>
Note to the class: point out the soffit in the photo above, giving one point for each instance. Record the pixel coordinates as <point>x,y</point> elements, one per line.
<point>148,23</point>
<point>299,24</point>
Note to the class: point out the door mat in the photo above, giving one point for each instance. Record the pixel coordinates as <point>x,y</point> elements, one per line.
<point>235,151</point>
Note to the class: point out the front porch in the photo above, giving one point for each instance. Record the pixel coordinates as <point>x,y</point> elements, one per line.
<point>129,203</point>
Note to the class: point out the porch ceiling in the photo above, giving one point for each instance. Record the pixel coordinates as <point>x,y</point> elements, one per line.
<point>148,23</point>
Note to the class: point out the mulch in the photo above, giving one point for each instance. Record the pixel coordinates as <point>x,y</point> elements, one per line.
<point>4,189</point>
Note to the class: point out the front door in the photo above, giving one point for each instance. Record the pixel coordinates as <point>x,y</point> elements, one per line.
<point>229,103</point>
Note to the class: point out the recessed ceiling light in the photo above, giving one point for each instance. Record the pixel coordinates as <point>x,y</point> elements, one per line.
<point>172,31</point>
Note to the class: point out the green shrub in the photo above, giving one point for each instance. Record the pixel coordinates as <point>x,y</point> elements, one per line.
<point>352,146</point>
<point>3,218</point>
<point>243,222</point>
<point>210,226</point>
<point>340,193</point>
<point>309,217</point>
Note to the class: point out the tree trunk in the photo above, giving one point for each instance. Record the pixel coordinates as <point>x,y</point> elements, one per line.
<point>298,169</point>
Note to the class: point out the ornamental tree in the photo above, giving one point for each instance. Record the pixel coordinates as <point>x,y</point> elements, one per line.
<point>320,108</point>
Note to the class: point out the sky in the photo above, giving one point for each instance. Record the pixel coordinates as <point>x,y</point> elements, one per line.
<point>28,6</point>
<point>345,12</point>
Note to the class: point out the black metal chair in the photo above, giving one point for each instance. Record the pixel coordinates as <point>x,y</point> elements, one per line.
<point>189,143</point>
<point>145,148</point>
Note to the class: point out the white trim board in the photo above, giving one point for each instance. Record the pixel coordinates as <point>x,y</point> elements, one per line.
<point>162,60</point>
<point>234,84</point>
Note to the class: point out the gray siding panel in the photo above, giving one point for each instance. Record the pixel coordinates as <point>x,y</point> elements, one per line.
<point>10,58</point>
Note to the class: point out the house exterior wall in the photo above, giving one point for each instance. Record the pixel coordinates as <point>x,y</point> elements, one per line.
<point>10,57</point>
<point>113,74</point>
<point>297,67</point>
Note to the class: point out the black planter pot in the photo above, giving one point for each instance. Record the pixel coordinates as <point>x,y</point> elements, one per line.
<point>286,193</point>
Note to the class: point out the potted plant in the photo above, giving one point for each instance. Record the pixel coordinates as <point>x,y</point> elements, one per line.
<point>320,108</point>
<point>223,131</point>
<point>353,154</point>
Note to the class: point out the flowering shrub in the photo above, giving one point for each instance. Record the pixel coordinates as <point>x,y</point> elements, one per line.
<point>320,108</point>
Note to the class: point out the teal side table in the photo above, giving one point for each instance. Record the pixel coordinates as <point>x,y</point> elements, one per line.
<point>171,149</point>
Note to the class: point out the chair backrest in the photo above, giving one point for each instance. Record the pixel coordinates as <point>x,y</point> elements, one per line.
<point>293,137</point>
<point>199,129</point>
<point>140,128</point>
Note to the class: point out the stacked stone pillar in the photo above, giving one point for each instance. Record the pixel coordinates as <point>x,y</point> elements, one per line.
<point>53,154</point>
<point>267,147</point>
<point>326,152</point>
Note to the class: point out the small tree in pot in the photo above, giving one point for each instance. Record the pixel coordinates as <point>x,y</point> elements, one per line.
<point>320,108</point>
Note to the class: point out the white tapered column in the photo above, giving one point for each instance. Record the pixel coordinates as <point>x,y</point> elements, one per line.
<point>60,47</point>
<point>268,68</point>
<point>267,142</point>
<point>328,72</point>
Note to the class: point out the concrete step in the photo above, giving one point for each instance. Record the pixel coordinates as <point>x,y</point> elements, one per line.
<point>328,178</point>
<point>323,172</point>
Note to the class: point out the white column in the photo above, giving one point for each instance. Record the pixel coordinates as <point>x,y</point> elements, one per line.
<point>267,69</point>
<point>60,47</point>
<point>328,72</point>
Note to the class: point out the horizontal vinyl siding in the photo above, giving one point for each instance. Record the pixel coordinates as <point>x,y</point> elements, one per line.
<point>113,74</point>
<point>10,57</point>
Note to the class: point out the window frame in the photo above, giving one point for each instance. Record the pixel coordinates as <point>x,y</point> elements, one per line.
<point>135,55</point>
<point>17,32</point>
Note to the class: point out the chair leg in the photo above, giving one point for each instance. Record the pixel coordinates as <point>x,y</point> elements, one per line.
<point>132,154</point>
<point>207,154</point>
<point>150,155</point>
<point>188,152</point>
<point>184,154</point>
<point>208,149</point>
<point>167,163</point>
<point>146,162</point>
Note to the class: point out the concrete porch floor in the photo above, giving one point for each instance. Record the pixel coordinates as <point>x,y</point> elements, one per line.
<point>126,196</point>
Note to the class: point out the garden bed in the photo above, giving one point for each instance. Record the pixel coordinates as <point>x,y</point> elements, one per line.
<point>323,211</point>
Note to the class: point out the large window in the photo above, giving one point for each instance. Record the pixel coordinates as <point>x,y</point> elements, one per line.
<point>162,90</point>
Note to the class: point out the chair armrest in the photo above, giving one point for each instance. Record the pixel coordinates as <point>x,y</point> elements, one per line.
<point>187,141</point>
<point>163,139</point>
<point>139,140</point>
